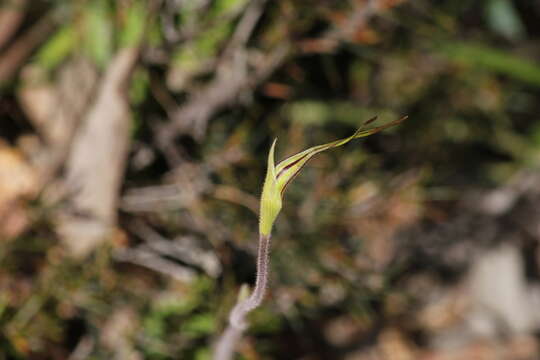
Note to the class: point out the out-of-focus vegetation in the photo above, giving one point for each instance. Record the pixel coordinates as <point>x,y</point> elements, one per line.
<point>133,144</point>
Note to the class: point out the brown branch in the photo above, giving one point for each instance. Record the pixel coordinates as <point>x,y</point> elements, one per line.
<point>153,261</point>
<point>358,18</point>
<point>15,55</point>
<point>233,77</point>
<point>11,16</point>
<point>245,27</point>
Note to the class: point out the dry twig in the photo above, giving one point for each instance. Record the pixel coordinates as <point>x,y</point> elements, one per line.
<point>11,16</point>
<point>13,57</point>
<point>97,160</point>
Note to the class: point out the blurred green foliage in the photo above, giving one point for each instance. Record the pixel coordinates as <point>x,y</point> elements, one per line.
<point>466,73</point>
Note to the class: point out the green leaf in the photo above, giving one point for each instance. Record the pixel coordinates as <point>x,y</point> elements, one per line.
<point>58,48</point>
<point>132,28</point>
<point>139,86</point>
<point>98,41</point>
<point>224,7</point>
<point>203,354</point>
<point>208,43</point>
<point>200,324</point>
<point>495,60</point>
<point>309,112</point>
<point>314,112</point>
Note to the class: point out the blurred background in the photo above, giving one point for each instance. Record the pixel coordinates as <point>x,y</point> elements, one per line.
<point>133,144</point>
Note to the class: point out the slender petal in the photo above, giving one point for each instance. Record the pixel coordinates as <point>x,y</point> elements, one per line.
<point>271,197</point>
<point>278,177</point>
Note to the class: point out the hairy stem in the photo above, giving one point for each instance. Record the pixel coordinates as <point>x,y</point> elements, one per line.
<point>226,344</point>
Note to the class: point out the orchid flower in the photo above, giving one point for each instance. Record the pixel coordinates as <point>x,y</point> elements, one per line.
<point>280,175</point>
<point>277,178</point>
